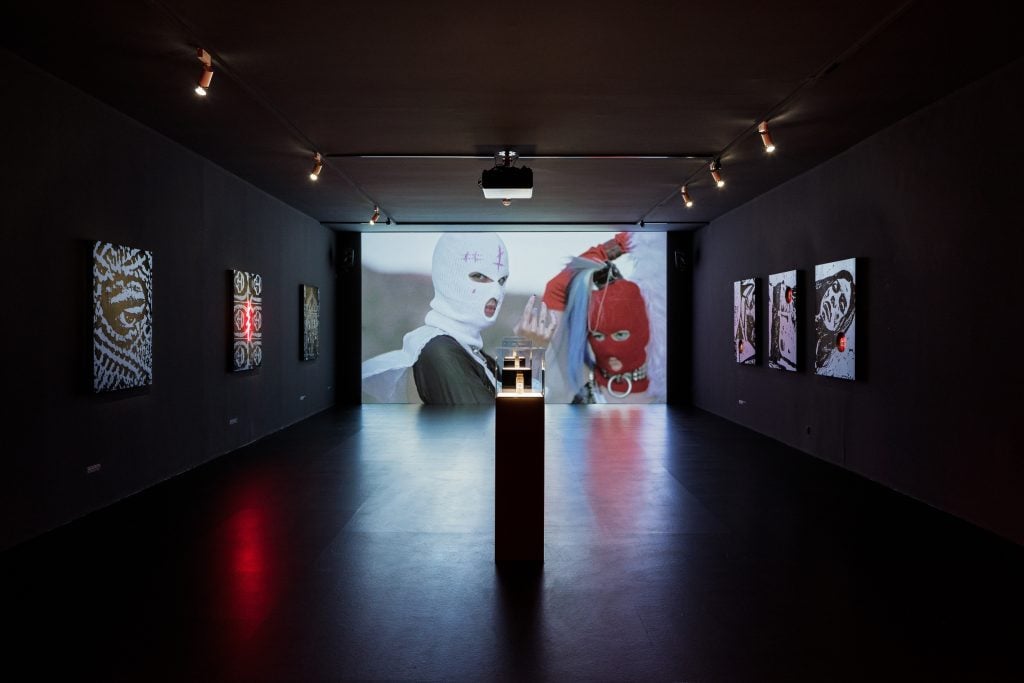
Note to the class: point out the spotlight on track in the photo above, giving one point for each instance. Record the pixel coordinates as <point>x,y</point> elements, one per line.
<point>204,78</point>
<point>687,199</point>
<point>766,137</point>
<point>716,172</point>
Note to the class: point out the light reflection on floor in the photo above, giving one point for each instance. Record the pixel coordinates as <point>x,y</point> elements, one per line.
<point>359,545</point>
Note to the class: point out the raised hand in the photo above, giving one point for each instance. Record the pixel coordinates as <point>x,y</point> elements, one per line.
<point>537,325</point>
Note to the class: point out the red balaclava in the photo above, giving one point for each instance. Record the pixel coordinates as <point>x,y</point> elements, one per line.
<point>619,332</point>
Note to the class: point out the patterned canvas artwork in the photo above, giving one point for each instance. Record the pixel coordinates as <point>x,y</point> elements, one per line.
<point>744,321</point>
<point>122,319</point>
<point>835,319</point>
<point>247,321</point>
<point>310,322</point>
<point>782,336</point>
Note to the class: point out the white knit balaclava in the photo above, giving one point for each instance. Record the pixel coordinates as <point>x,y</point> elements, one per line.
<point>456,296</point>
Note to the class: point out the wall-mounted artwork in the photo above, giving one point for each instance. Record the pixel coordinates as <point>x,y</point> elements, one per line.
<point>782,337</point>
<point>835,318</point>
<point>744,321</point>
<point>247,321</point>
<point>122,317</point>
<point>310,322</point>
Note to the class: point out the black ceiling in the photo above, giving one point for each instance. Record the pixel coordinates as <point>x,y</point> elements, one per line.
<point>548,79</point>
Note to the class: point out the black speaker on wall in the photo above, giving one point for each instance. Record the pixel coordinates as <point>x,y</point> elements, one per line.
<point>679,259</point>
<point>348,259</point>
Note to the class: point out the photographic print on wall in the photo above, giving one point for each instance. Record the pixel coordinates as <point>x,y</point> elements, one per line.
<point>782,337</point>
<point>247,321</point>
<point>122,317</point>
<point>310,322</point>
<point>835,318</point>
<point>744,320</point>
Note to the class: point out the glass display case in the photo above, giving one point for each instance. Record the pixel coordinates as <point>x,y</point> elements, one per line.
<point>521,367</point>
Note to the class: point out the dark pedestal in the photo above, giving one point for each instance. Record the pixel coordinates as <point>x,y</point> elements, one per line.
<point>519,478</point>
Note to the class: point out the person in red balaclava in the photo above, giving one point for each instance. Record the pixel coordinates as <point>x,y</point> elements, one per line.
<point>618,332</point>
<point>617,329</point>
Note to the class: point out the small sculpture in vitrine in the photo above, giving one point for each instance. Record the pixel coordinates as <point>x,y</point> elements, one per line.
<point>522,368</point>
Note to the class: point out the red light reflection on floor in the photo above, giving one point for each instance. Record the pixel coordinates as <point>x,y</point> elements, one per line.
<point>617,471</point>
<point>248,580</point>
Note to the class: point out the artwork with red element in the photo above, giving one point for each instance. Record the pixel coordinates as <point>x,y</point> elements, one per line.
<point>835,319</point>
<point>782,337</point>
<point>246,321</point>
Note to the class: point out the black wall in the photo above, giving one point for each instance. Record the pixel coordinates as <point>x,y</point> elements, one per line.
<point>349,316</point>
<point>679,331</point>
<point>931,207</point>
<point>75,170</point>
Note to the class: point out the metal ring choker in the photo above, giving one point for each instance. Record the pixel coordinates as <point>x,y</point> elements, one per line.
<point>627,377</point>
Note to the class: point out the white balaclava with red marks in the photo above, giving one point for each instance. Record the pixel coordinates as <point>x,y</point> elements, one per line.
<point>460,303</point>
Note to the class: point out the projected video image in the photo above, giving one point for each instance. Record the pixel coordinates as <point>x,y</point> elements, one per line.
<point>437,306</point>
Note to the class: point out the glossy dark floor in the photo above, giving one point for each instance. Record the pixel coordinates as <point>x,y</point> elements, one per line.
<point>358,545</point>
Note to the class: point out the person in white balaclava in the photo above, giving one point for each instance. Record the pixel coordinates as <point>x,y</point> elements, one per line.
<point>446,355</point>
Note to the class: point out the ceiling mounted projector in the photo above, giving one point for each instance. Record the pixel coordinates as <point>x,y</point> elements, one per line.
<point>506,181</point>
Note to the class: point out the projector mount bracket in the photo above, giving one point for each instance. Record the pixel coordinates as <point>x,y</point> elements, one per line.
<point>505,157</point>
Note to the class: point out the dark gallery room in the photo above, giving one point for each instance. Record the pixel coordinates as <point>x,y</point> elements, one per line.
<point>550,341</point>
